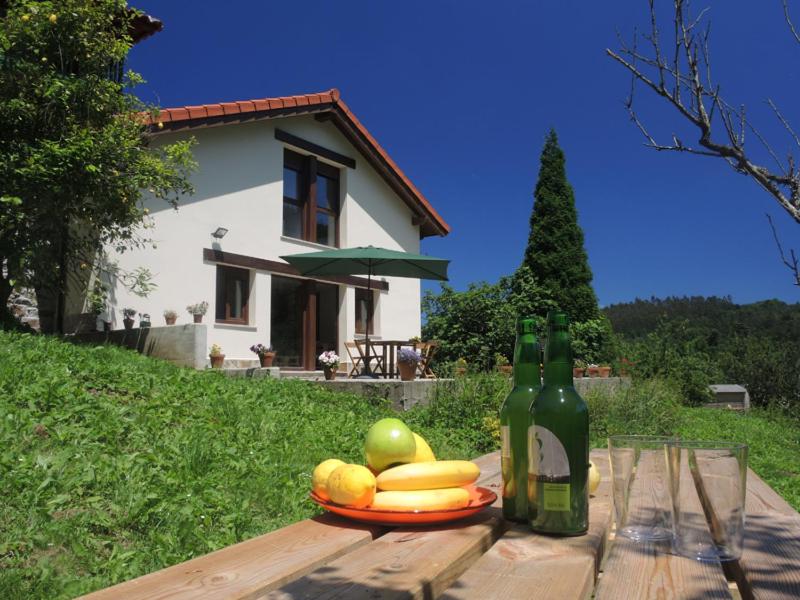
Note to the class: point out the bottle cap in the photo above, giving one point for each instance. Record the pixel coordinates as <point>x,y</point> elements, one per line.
<point>557,320</point>
<point>526,326</point>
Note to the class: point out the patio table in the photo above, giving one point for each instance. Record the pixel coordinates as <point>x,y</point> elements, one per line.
<point>483,557</point>
<point>384,354</point>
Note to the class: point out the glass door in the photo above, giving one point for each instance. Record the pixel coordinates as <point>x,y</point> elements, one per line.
<point>288,300</point>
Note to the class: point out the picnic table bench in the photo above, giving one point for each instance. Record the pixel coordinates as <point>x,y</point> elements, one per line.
<point>484,557</point>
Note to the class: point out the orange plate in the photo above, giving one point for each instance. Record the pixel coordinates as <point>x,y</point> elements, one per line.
<point>479,498</point>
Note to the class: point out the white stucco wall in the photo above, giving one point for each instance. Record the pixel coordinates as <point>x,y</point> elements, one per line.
<point>239,186</point>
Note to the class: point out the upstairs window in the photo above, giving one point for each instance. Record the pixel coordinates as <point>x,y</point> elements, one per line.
<point>233,294</point>
<point>310,199</point>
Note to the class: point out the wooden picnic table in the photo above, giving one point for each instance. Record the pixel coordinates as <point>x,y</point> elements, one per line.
<point>484,557</point>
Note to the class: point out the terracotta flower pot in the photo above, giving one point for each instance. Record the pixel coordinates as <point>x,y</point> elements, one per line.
<point>330,372</point>
<point>198,318</point>
<point>605,371</point>
<point>507,369</point>
<point>577,372</point>
<point>407,371</point>
<point>216,361</point>
<point>128,323</point>
<point>266,359</point>
<point>170,320</point>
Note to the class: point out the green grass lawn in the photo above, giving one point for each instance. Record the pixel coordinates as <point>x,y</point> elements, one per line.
<point>113,465</point>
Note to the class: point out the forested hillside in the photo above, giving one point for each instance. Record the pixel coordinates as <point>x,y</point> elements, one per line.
<point>720,317</point>
<point>697,341</point>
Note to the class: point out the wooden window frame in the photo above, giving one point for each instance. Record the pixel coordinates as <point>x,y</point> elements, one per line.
<point>245,274</point>
<point>308,166</point>
<point>370,321</point>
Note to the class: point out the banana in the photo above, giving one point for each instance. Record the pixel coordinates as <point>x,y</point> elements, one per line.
<point>421,499</point>
<point>429,475</point>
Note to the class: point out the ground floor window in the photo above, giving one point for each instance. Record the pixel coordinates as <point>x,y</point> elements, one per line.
<point>364,311</point>
<point>233,294</point>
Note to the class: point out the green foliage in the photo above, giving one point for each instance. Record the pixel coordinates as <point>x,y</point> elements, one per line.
<point>647,407</point>
<point>74,152</point>
<point>768,368</point>
<point>672,352</point>
<point>712,340</point>
<point>480,322</point>
<point>593,341</point>
<point>114,465</point>
<point>555,252</point>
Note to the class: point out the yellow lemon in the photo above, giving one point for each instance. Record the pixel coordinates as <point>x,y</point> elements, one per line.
<point>352,485</point>
<point>319,478</point>
<point>594,477</point>
<point>424,452</point>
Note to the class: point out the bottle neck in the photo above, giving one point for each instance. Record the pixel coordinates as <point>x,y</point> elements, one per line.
<point>526,360</point>
<point>558,360</point>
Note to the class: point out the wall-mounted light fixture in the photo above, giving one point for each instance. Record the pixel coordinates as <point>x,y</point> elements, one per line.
<point>219,233</point>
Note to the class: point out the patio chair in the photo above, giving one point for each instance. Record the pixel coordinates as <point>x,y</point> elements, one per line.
<point>356,358</point>
<point>427,350</point>
<point>377,364</point>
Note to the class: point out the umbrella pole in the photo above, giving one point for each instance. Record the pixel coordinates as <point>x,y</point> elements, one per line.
<point>366,372</point>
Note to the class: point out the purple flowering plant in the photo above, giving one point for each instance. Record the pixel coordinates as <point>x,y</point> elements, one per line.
<point>261,349</point>
<point>409,355</point>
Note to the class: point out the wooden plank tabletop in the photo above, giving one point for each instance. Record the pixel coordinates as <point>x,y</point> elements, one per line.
<point>557,568</point>
<point>650,570</point>
<point>483,557</point>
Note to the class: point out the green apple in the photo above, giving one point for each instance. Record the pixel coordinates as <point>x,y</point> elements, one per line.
<point>389,441</point>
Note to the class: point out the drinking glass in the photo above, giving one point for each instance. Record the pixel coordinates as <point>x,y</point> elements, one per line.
<point>708,483</point>
<point>640,483</point>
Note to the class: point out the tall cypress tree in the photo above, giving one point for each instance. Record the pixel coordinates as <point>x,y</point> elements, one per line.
<point>555,252</point>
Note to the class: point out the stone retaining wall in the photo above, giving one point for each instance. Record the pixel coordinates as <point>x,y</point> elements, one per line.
<point>183,345</point>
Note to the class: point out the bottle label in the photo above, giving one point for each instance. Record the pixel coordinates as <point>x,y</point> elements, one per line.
<point>547,459</point>
<point>556,496</point>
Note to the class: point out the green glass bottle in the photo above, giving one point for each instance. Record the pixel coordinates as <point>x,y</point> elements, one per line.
<point>558,438</point>
<point>514,416</point>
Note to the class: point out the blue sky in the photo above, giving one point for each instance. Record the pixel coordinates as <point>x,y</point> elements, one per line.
<point>462,93</point>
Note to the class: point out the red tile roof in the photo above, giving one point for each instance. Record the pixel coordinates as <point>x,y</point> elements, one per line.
<point>325,105</point>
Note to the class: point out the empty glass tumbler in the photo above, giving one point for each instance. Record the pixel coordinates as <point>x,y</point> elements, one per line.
<point>640,482</point>
<point>708,483</point>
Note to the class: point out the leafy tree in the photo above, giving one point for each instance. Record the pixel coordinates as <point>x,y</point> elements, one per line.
<point>75,152</point>
<point>481,321</point>
<point>555,253</point>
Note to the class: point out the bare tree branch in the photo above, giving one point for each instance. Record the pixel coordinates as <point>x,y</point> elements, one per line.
<point>789,21</point>
<point>792,263</point>
<point>687,86</point>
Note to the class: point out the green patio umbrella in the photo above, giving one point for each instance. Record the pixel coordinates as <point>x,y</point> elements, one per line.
<point>369,261</point>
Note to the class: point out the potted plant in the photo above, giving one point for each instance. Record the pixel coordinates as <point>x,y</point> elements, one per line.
<point>407,361</point>
<point>127,317</point>
<point>460,367</point>
<point>501,364</point>
<point>604,370</point>
<point>592,370</point>
<point>144,320</point>
<point>330,363</point>
<point>579,368</point>
<point>216,356</point>
<point>198,310</point>
<point>266,354</point>
<point>170,316</point>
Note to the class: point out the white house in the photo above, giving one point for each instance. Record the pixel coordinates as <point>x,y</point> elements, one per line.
<point>281,175</point>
